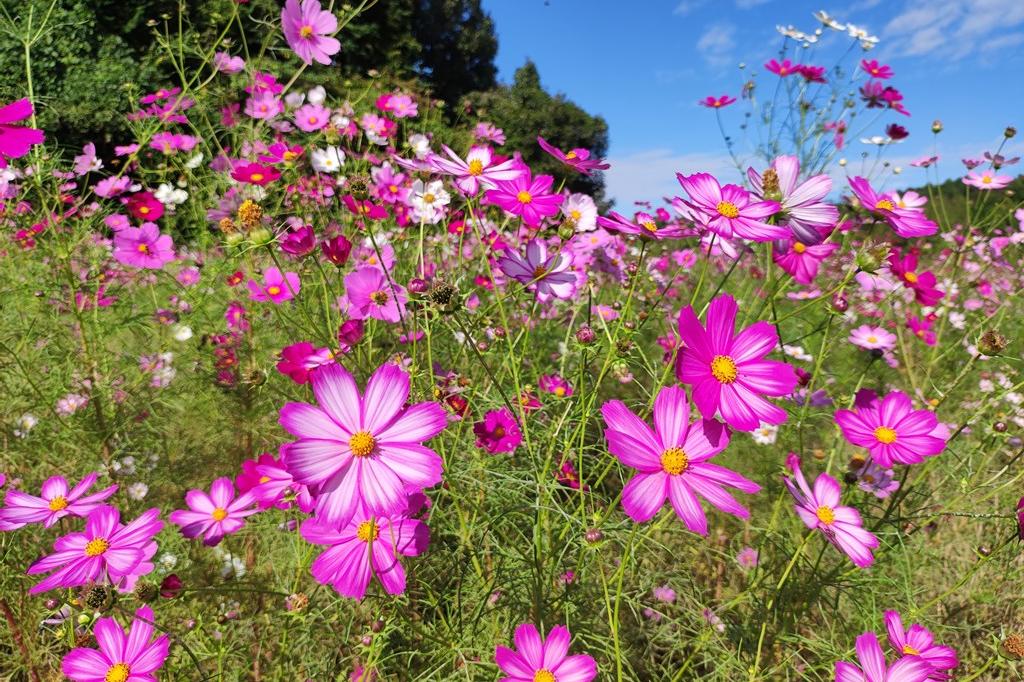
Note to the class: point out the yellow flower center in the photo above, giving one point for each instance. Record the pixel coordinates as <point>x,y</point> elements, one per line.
<point>144,210</point>
<point>723,368</point>
<point>799,248</point>
<point>649,225</point>
<point>727,209</point>
<point>58,503</point>
<point>910,277</point>
<point>545,675</point>
<point>476,167</point>
<point>367,531</point>
<point>362,443</point>
<point>96,547</point>
<point>885,435</point>
<point>674,461</point>
<point>264,479</point>
<point>826,515</point>
<point>885,204</point>
<point>560,391</point>
<point>289,156</point>
<point>312,119</point>
<point>393,189</point>
<point>524,197</point>
<point>219,514</point>
<point>306,31</point>
<point>273,290</point>
<point>379,297</point>
<point>872,339</point>
<point>575,215</point>
<point>429,198</point>
<point>142,248</point>
<point>256,177</point>
<point>118,672</point>
<point>910,651</point>
<point>570,155</point>
<point>985,179</point>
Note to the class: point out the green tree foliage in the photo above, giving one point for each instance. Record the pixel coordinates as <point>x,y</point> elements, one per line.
<point>525,110</point>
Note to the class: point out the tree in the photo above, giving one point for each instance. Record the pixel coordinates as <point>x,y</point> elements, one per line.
<point>525,110</point>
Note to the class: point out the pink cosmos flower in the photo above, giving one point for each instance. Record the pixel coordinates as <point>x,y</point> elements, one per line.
<point>875,669</point>
<point>802,260</point>
<point>307,29</point>
<point>728,372</point>
<point>555,385</point>
<point>276,287</point>
<point>255,174</point>
<point>368,545</point>
<point>276,487</point>
<point>819,509</point>
<point>876,70</point>
<point>488,132</point>
<point>15,141</point>
<point>527,197</point>
<point>498,432</point>
<point>907,222</point>
<point>362,448</point>
<point>122,657</point>
<point>730,210</point>
<point>577,159</point>
<point>872,338</point>
<point>804,210</point>
<point>299,359</point>
<point>548,277</point>
<point>543,660</point>
<point>987,180</point>
<point>478,170</point>
<point>716,102</point>
<point>312,117</point>
<point>55,502</point>
<point>672,461</point>
<point>370,294</point>
<point>87,161</point>
<point>839,133</point>
<point>143,247</point>
<point>783,68</point>
<point>215,515</point>
<point>644,225</point>
<point>106,551</point>
<point>144,206</point>
<point>892,430</point>
<point>225,63</point>
<point>263,105</point>
<point>112,186</point>
<point>918,642</point>
<point>812,74</point>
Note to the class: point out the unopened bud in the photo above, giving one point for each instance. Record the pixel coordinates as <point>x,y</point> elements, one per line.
<point>840,303</point>
<point>594,535</point>
<point>585,335</point>
<point>936,126</point>
<point>1009,132</point>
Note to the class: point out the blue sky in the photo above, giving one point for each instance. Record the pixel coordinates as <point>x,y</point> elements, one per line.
<point>643,64</point>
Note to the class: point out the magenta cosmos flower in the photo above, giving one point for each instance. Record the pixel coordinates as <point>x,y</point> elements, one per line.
<point>892,430</point>
<point>873,667</point>
<point>673,461</point>
<point>362,448</point>
<point>819,509</point>
<point>578,159</point>
<point>55,502</point>
<point>498,432</point>
<point>122,657</point>
<point>215,515</point>
<point>802,260</point>
<point>644,225</point>
<point>255,174</point>
<point>716,102</point>
<point>728,372</point>
<point>370,294</point>
<point>307,29</point>
<point>547,276</point>
<point>730,211</point>
<point>477,170</point>
<point>143,247</point>
<point>804,210</point>
<point>922,283</point>
<point>527,197</point>
<point>106,550</point>
<point>907,222</point>
<point>276,287</point>
<point>369,545</point>
<point>543,660</point>
<point>918,642</point>
<point>15,141</point>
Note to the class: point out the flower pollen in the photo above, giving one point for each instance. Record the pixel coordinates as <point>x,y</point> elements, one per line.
<point>674,461</point>
<point>362,443</point>
<point>826,515</point>
<point>723,368</point>
<point>367,531</point>
<point>58,503</point>
<point>886,435</point>
<point>96,547</point>
<point>727,209</point>
<point>118,672</point>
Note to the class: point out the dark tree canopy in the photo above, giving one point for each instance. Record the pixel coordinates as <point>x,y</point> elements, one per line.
<point>525,110</point>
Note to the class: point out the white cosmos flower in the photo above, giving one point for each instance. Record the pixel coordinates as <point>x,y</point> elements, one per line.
<point>765,434</point>
<point>582,210</point>
<point>316,95</point>
<point>170,196</point>
<point>420,145</point>
<point>327,160</point>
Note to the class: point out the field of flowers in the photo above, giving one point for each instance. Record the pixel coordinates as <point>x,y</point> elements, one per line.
<point>300,384</point>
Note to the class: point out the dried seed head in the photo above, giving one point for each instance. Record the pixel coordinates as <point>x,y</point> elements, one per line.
<point>992,343</point>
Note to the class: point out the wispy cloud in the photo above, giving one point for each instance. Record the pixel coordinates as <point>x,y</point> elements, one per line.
<point>717,43</point>
<point>954,29</point>
<point>650,175</point>
<point>748,4</point>
<point>687,6</point>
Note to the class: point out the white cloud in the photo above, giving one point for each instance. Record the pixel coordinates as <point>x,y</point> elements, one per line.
<point>650,175</point>
<point>716,44</point>
<point>687,6</point>
<point>748,4</point>
<point>954,29</point>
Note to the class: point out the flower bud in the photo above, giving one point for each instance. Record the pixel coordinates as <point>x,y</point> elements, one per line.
<point>992,343</point>
<point>594,535</point>
<point>840,303</point>
<point>936,126</point>
<point>261,236</point>
<point>418,286</point>
<point>1009,132</point>
<point>350,332</point>
<point>586,335</point>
